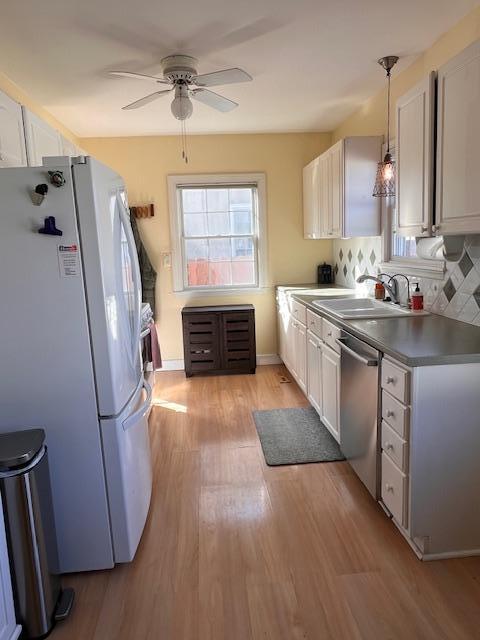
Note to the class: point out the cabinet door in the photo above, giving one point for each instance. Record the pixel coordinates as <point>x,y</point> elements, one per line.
<point>335,166</point>
<point>331,391</point>
<point>458,122</point>
<point>324,196</point>
<point>301,355</point>
<point>12,137</point>
<point>42,139</point>
<point>314,371</point>
<point>282,326</point>
<point>8,626</point>
<point>311,221</point>
<point>291,353</point>
<point>414,156</point>
<point>69,148</point>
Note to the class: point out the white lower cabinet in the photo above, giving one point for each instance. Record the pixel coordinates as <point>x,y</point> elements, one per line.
<point>310,358</point>
<point>331,391</point>
<point>314,371</point>
<point>299,354</point>
<point>9,630</point>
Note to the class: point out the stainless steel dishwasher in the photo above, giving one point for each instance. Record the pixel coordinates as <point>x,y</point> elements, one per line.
<point>359,408</point>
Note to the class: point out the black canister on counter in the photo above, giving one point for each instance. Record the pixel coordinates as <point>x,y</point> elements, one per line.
<point>324,274</point>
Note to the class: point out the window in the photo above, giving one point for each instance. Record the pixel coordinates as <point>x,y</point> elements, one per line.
<point>417,256</point>
<point>218,232</point>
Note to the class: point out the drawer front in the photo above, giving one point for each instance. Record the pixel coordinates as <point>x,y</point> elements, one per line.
<point>396,381</point>
<point>395,414</point>
<point>314,323</point>
<point>395,447</point>
<point>330,334</point>
<point>394,490</point>
<point>299,311</point>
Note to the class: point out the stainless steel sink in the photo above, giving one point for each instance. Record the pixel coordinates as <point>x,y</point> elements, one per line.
<point>349,309</point>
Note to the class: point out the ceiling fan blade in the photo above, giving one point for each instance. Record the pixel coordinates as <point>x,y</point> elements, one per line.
<point>143,101</point>
<point>212,99</point>
<point>138,76</point>
<point>226,76</point>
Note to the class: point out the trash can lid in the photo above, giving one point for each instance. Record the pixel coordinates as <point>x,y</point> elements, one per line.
<point>17,448</point>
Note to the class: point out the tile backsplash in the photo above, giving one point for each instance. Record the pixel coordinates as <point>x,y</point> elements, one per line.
<point>457,295</point>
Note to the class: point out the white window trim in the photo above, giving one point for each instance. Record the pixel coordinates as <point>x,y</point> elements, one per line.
<point>419,267</point>
<point>175,181</point>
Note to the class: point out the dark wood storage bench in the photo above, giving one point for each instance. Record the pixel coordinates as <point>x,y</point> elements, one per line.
<point>219,339</point>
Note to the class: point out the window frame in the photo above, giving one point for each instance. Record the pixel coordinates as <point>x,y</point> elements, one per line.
<point>258,180</point>
<point>412,266</point>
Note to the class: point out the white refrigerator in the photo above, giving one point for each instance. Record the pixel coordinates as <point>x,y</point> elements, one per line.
<point>70,352</point>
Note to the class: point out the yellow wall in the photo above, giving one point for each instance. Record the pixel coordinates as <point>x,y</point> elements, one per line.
<point>145,163</point>
<point>16,93</point>
<point>371,118</point>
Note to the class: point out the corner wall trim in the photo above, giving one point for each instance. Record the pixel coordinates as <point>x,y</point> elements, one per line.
<point>179,365</point>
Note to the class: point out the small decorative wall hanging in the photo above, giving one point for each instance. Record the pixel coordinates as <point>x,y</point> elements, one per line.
<point>143,211</point>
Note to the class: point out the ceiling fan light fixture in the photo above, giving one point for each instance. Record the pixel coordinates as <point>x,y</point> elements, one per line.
<point>386,172</point>
<point>181,107</point>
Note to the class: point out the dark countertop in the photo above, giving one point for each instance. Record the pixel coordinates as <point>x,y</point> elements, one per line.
<point>415,341</point>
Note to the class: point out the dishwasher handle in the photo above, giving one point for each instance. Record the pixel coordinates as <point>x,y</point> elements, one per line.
<point>370,362</point>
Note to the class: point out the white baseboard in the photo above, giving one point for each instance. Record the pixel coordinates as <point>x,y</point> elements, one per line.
<point>179,365</point>
<point>172,365</point>
<point>268,358</point>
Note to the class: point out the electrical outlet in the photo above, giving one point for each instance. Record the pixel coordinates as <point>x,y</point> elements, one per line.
<point>166,260</point>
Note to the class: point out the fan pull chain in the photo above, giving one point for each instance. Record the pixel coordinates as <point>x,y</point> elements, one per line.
<point>184,141</point>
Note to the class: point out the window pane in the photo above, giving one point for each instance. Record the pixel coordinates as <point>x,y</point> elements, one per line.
<point>195,224</point>
<point>196,253</point>
<point>220,249</point>
<point>220,273</point>
<point>193,200</point>
<point>218,224</point>
<point>217,199</point>
<point>243,272</point>
<point>242,248</point>
<point>241,197</point>
<point>242,222</point>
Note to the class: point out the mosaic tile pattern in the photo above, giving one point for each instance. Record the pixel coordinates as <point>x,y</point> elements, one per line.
<point>457,295</point>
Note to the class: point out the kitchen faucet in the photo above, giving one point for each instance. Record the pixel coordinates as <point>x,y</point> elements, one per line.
<point>392,289</point>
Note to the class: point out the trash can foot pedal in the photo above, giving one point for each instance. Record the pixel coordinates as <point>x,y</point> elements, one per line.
<point>65,604</point>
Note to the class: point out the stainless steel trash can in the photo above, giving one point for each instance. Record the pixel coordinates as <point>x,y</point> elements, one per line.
<point>30,526</point>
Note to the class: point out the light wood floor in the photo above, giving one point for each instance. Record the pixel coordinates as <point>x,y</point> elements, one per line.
<point>236,550</point>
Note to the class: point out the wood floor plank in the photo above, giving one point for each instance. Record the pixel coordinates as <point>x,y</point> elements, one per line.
<point>236,549</point>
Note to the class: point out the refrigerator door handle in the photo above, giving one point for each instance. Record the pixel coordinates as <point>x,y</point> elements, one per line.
<point>139,413</point>
<point>136,268</point>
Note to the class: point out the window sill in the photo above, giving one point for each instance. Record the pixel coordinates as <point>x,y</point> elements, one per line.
<point>212,293</point>
<point>420,268</point>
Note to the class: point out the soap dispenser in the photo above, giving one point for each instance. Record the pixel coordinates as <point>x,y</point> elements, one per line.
<point>417,298</point>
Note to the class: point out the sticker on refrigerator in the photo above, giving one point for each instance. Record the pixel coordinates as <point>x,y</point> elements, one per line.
<point>68,260</point>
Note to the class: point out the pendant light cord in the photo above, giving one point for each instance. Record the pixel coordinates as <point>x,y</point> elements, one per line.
<point>388,112</point>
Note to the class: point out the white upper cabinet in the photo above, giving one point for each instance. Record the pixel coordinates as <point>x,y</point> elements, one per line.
<point>12,138</point>
<point>69,148</point>
<point>42,139</point>
<point>311,219</point>
<point>414,156</point>
<point>343,187</point>
<point>458,126</point>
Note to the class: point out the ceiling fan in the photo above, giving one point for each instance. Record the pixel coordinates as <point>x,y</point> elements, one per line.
<point>180,72</point>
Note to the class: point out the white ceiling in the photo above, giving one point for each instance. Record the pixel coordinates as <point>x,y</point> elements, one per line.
<point>313,61</point>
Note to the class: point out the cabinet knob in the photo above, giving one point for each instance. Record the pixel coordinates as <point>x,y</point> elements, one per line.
<point>390,413</point>
<point>436,227</point>
<point>424,229</point>
<point>390,380</point>
<point>329,334</point>
<point>389,488</point>
<point>389,446</point>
